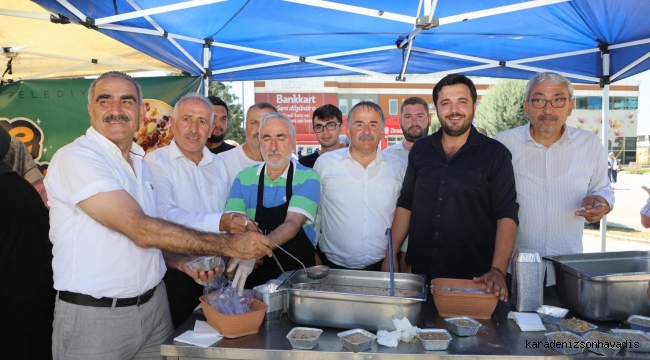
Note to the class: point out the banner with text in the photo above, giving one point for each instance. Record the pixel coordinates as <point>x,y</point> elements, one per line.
<point>298,107</point>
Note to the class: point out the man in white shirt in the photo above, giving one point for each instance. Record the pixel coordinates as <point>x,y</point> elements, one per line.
<point>414,121</point>
<point>107,242</point>
<point>248,154</point>
<point>359,190</point>
<point>192,187</point>
<point>560,172</point>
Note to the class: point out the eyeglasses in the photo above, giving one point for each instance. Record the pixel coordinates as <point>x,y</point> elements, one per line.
<point>541,103</point>
<point>329,126</point>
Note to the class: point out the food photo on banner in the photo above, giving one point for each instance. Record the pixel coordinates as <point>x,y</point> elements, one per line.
<point>48,114</point>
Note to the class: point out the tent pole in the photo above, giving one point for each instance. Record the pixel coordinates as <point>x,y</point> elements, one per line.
<point>206,66</point>
<point>605,130</point>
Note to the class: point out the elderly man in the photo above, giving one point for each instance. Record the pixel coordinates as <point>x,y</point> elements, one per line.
<point>107,242</point>
<point>248,154</point>
<point>215,142</point>
<point>326,122</point>
<point>192,187</point>
<point>281,197</point>
<point>458,203</point>
<point>414,121</point>
<point>561,172</point>
<point>359,187</point>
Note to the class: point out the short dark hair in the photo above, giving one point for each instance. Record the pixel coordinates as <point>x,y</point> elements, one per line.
<point>262,105</point>
<point>414,100</point>
<point>216,101</point>
<point>454,79</point>
<point>326,112</point>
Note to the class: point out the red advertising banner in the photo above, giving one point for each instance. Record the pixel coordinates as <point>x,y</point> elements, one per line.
<point>298,107</point>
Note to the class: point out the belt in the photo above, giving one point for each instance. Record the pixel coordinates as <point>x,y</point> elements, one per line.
<point>87,300</point>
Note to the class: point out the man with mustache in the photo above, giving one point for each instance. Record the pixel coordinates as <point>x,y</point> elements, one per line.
<point>327,121</point>
<point>359,186</point>
<point>414,121</point>
<point>109,247</point>
<point>192,187</point>
<point>561,172</point>
<point>458,202</point>
<point>281,197</point>
<point>215,142</point>
<point>248,154</point>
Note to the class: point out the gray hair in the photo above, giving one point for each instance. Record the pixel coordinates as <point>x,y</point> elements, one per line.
<point>194,96</point>
<point>114,75</point>
<point>262,105</point>
<point>277,115</point>
<point>371,105</point>
<point>553,78</point>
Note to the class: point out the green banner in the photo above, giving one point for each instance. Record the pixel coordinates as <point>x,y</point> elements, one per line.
<point>48,114</point>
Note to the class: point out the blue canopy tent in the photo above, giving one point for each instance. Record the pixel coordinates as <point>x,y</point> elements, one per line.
<point>589,41</point>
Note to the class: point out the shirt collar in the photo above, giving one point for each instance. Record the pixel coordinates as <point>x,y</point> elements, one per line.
<point>175,153</point>
<point>378,158</point>
<point>565,135</point>
<point>474,138</point>
<point>284,174</point>
<point>110,146</point>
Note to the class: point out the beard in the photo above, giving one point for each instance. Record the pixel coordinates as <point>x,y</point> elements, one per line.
<point>413,137</point>
<point>462,127</point>
<point>216,138</point>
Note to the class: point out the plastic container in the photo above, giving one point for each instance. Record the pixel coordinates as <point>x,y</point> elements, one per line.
<point>463,325</point>
<point>357,340</point>
<point>304,338</point>
<point>597,337</point>
<point>563,341</point>
<point>551,314</point>
<point>565,326</point>
<point>638,340</point>
<point>206,263</point>
<point>638,322</point>
<point>434,344</point>
<point>233,326</point>
<point>450,304</point>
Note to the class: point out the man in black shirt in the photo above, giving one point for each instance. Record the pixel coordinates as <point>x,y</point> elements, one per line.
<point>458,201</point>
<point>327,121</point>
<point>215,142</point>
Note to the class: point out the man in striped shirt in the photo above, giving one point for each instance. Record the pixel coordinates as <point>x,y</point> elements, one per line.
<point>560,172</point>
<point>281,197</point>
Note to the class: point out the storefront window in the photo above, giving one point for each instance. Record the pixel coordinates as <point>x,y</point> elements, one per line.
<point>392,140</point>
<point>392,107</point>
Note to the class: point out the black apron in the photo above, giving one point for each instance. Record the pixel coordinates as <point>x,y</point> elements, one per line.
<point>268,219</point>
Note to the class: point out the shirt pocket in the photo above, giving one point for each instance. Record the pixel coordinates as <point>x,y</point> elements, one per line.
<point>386,194</point>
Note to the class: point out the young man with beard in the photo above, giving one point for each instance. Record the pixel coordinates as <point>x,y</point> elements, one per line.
<point>326,121</point>
<point>458,201</point>
<point>414,121</point>
<point>215,142</point>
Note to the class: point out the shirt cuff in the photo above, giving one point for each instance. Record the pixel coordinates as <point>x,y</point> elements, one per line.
<point>211,223</point>
<point>646,209</point>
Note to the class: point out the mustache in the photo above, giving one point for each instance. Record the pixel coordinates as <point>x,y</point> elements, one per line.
<point>547,117</point>
<point>456,114</point>
<point>366,137</point>
<point>415,127</point>
<point>112,117</point>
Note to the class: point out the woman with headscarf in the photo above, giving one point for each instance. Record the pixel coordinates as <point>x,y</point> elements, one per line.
<point>22,162</point>
<point>27,295</point>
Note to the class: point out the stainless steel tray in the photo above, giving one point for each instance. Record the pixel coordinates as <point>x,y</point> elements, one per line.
<point>312,306</point>
<point>603,286</point>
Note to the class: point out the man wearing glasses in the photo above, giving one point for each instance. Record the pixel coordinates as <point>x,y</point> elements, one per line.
<point>327,121</point>
<point>560,172</point>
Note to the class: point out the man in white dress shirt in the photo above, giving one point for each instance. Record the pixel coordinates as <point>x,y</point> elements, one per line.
<point>560,172</point>
<point>414,121</point>
<point>192,187</point>
<point>107,242</point>
<point>248,154</point>
<point>359,190</point>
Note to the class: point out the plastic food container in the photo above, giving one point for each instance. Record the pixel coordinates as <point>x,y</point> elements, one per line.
<point>434,339</point>
<point>638,340</point>
<point>357,340</point>
<point>638,322</point>
<point>563,341</point>
<point>567,325</point>
<point>463,325</point>
<point>449,304</point>
<point>551,314</point>
<point>233,326</point>
<point>304,338</point>
<point>597,337</point>
<point>205,263</point>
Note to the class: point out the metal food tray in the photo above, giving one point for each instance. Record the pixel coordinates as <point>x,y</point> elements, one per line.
<point>434,344</point>
<point>605,351</point>
<point>349,310</point>
<point>463,330</point>
<point>603,286</point>
<point>581,333</point>
<point>304,344</point>
<point>551,314</point>
<point>635,345</point>
<point>631,320</point>
<point>554,341</point>
<point>357,346</point>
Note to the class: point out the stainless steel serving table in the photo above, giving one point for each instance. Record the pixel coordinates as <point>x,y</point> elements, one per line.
<point>498,338</point>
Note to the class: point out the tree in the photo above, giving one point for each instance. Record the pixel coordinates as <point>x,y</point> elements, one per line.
<point>236,113</point>
<point>501,107</point>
